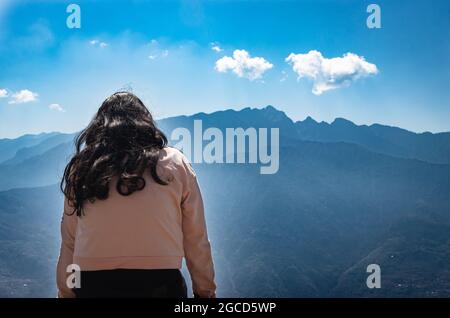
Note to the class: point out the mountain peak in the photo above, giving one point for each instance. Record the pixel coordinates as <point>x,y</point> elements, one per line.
<point>342,121</point>
<point>270,108</point>
<point>309,120</point>
<point>275,114</point>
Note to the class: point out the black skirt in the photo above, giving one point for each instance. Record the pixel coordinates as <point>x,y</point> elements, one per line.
<point>135,283</point>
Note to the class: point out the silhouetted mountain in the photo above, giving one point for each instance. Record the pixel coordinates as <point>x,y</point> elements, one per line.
<point>310,230</point>
<point>30,161</point>
<point>267,117</point>
<point>385,139</point>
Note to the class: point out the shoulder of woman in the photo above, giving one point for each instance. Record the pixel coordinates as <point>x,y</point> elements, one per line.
<point>177,158</point>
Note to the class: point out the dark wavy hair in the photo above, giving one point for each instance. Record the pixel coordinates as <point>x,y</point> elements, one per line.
<point>121,141</point>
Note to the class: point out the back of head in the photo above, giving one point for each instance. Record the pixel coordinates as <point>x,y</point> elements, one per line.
<point>121,141</point>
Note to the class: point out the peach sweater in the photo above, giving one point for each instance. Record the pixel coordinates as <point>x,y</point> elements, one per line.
<point>151,229</point>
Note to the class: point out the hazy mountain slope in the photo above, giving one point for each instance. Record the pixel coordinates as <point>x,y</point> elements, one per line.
<point>304,228</point>
<point>29,240</point>
<point>43,169</point>
<point>414,254</point>
<point>36,150</point>
<point>9,147</point>
<point>385,139</point>
<point>327,208</point>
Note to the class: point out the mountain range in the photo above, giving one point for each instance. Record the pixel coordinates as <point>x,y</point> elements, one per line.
<point>345,196</point>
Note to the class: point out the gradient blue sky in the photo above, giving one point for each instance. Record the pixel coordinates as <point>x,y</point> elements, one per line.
<point>39,53</point>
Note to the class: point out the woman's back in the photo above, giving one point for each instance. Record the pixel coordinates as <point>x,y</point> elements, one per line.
<point>150,227</point>
<point>143,230</point>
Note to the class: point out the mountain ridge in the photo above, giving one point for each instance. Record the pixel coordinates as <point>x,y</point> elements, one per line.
<point>341,131</point>
<point>248,108</point>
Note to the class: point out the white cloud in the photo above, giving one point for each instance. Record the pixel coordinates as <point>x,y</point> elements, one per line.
<point>3,93</point>
<point>56,107</point>
<point>328,74</point>
<point>215,47</point>
<point>23,96</point>
<point>158,54</point>
<point>98,43</point>
<point>243,65</point>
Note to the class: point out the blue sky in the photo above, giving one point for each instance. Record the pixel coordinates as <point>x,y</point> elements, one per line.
<point>53,78</point>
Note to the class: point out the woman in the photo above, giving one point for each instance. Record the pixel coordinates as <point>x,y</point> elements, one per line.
<point>132,211</point>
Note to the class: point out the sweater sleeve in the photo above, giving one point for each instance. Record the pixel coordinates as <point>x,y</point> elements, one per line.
<point>68,230</point>
<point>197,248</point>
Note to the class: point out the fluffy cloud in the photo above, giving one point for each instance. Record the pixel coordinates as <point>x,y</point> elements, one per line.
<point>3,93</point>
<point>243,65</point>
<point>23,96</point>
<point>56,107</point>
<point>328,74</point>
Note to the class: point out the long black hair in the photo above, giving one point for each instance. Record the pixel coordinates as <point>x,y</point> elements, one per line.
<point>121,141</point>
